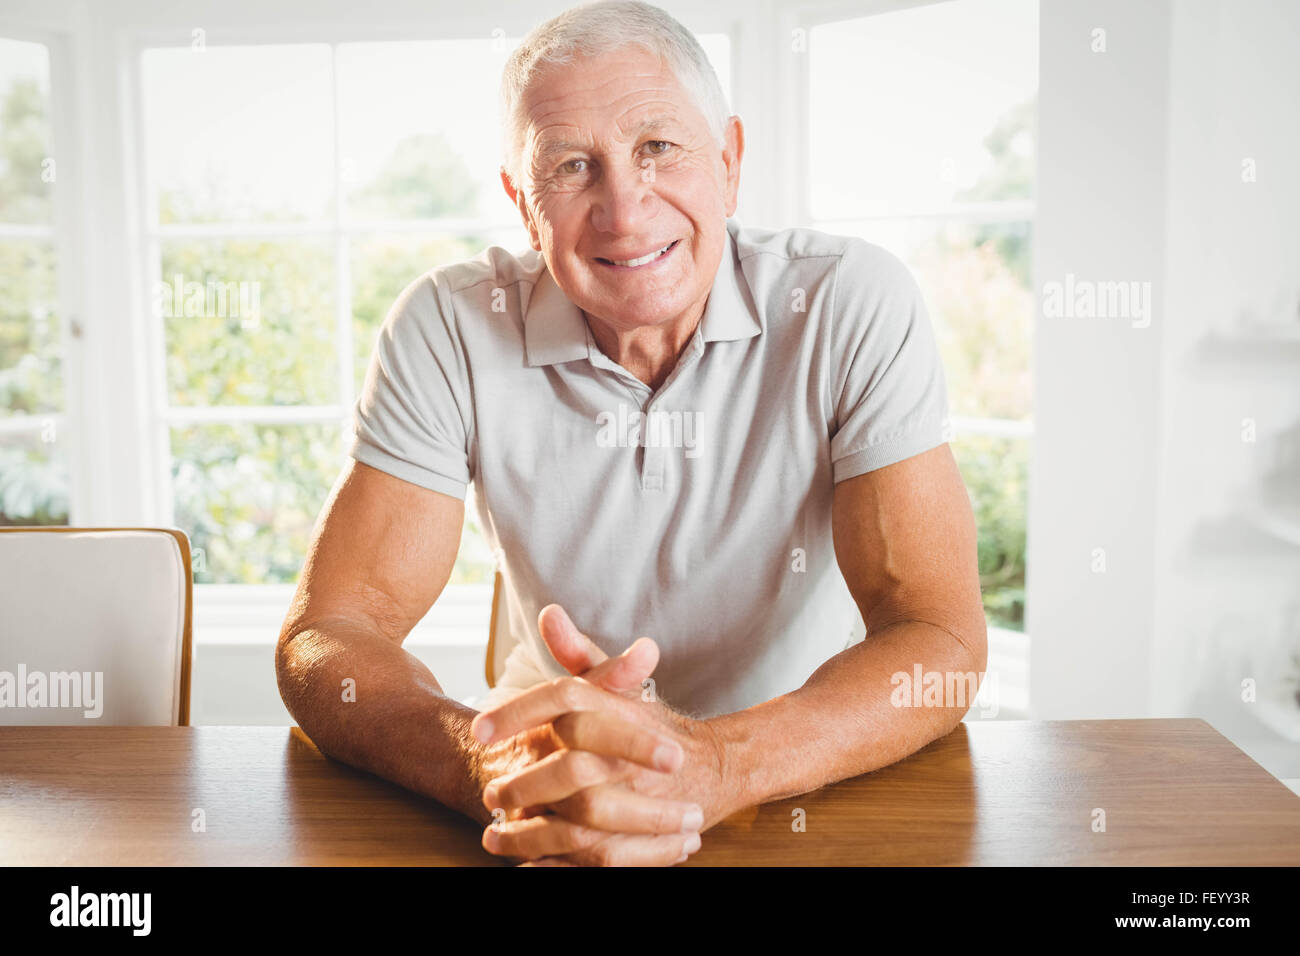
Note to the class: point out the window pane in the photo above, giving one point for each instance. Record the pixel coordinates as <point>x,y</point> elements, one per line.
<point>249,322</point>
<point>34,476</point>
<point>31,362</point>
<point>976,284</point>
<point>27,169</point>
<point>717,47</point>
<point>248,495</point>
<point>996,472</point>
<point>474,562</point>
<point>239,133</point>
<point>920,108</point>
<point>382,267</point>
<point>410,150</point>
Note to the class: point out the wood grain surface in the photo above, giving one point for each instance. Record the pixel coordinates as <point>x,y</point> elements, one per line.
<point>992,792</point>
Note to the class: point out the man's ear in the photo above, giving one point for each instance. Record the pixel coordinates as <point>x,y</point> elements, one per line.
<point>732,152</point>
<point>520,202</point>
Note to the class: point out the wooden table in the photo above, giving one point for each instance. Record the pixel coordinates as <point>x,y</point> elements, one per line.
<point>994,792</point>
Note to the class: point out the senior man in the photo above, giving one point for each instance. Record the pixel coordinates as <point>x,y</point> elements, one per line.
<point>686,437</point>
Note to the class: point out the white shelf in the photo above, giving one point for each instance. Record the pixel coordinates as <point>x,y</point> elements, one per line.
<point>1254,355</point>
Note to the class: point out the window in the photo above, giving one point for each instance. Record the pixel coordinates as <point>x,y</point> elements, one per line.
<point>34,447</point>
<point>921,139</point>
<point>293,191</point>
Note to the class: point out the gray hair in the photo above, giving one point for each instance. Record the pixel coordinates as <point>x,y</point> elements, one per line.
<point>592,30</point>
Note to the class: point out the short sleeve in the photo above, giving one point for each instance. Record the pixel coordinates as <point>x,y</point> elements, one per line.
<point>890,396</point>
<point>412,418</point>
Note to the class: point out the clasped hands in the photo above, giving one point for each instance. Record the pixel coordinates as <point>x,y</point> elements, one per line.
<point>588,770</point>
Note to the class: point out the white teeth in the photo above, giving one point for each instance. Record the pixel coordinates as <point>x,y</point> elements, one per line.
<point>643,260</point>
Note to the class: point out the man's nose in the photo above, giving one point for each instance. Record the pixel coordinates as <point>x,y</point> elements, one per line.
<point>625,198</point>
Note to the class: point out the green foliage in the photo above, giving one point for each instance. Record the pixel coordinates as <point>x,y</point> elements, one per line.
<point>248,496</point>
<point>425,178</point>
<point>33,482</point>
<point>24,147</point>
<point>983,317</point>
<point>996,472</point>
<point>31,366</point>
<point>33,472</point>
<point>382,266</point>
<point>285,354</point>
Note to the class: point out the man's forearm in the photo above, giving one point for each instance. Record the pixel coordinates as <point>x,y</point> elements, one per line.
<point>842,722</point>
<point>395,721</point>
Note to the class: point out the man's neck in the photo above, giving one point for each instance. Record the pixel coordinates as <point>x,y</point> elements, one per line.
<point>651,352</point>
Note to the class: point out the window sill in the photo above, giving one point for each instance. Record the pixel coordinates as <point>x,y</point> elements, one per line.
<point>251,615</point>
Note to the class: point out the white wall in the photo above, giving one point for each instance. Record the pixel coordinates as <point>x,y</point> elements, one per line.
<point>1140,445</point>
<point>1101,213</point>
<point>1234,247</point>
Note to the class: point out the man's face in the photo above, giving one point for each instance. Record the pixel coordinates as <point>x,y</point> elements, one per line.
<point>619,163</point>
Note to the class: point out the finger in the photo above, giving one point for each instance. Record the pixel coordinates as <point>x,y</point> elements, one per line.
<point>611,736</point>
<point>581,657</point>
<point>543,703</point>
<point>636,850</point>
<point>539,836</point>
<point>572,649</point>
<point>621,810</point>
<point>556,777</point>
<point>580,786</point>
<point>549,861</point>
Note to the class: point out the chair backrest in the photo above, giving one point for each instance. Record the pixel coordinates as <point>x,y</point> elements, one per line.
<point>500,639</point>
<point>95,626</point>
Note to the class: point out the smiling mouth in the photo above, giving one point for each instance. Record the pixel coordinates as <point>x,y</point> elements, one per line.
<point>641,260</point>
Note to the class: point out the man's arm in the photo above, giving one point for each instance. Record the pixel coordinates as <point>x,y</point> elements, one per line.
<point>382,552</point>
<point>905,541</point>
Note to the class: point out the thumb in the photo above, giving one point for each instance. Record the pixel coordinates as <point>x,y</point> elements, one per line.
<point>574,651</point>
<point>580,656</point>
<point>624,674</point>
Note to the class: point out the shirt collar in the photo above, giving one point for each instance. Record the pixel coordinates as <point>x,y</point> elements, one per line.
<point>555,330</point>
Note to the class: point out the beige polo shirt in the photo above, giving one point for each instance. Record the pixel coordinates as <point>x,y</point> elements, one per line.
<point>698,514</point>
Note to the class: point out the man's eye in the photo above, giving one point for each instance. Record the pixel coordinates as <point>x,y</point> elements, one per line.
<point>574,166</point>
<point>658,147</point>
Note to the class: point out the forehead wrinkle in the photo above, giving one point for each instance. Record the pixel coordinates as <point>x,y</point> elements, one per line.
<point>663,91</point>
<point>665,117</point>
<point>654,123</point>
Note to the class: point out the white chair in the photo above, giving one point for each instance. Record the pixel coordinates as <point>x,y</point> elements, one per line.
<point>97,621</point>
